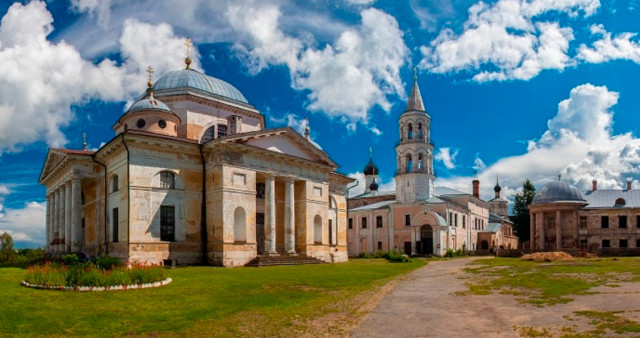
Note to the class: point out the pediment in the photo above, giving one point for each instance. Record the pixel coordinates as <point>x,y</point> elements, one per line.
<point>54,158</point>
<point>285,141</point>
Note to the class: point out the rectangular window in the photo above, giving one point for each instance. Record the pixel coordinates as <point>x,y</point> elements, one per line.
<point>379,246</point>
<point>624,243</point>
<point>455,220</point>
<point>378,221</point>
<point>167,180</point>
<point>364,222</point>
<point>622,222</point>
<point>167,223</point>
<point>583,222</point>
<point>583,244</point>
<point>407,220</point>
<point>637,243</point>
<point>604,221</point>
<point>115,220</point>
<point>350,223</point>
<point>464,222</point>
<point>606,243</point>
<point>330,232</point>
<point>450,218</point>
<point>638,221</point>
<point>260,188</point>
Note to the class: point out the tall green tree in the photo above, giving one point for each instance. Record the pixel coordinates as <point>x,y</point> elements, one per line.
<point>521,218</point>
<point>7,252</point>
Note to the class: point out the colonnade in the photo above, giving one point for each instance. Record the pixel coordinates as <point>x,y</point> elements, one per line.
<point>537,226</point>
<point>64,217</point>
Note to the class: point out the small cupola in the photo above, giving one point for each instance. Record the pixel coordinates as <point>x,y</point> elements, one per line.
<point>149,114</point>
<point>497,189</point>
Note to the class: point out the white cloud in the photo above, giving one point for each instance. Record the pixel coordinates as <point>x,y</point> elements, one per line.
<point>578,144</point>
<point>620,47</point>
<point>25,225</point>
<point>40,81</point>
<point>291,120</point>
<point>345,79</point>
<point>446,157</point>
<point>360,2</point>
<point>506,40</point>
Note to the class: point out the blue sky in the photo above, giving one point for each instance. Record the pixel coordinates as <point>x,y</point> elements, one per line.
<point>515,88</point>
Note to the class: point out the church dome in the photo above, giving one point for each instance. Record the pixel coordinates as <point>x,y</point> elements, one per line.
<point>148,103</point>
<point>497,188</point>
<point>371,168</point>
<point>177,80</point>
<point>373,186</point>
<point>558,191</point>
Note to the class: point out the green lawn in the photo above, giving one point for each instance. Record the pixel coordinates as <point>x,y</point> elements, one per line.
<point>549,283</point>
<point>273,301</point>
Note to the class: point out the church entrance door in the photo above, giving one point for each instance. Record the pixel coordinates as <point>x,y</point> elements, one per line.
<point>426,240</point>
<point>260,233</point>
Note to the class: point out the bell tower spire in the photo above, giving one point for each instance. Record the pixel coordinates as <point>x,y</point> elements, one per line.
<point>415,99</point>
<point>415,176</point>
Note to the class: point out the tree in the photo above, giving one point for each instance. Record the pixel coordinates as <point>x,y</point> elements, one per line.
<point>7,252</point>
<point>521,218</point>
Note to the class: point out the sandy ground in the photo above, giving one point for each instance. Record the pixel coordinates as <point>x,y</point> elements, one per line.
<point>432,302</point>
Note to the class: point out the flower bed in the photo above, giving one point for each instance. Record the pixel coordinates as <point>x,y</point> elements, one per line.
<point>91,276</point>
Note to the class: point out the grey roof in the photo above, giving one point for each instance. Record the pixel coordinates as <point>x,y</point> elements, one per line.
<point>607,198</point>
<point>558,191</point>
<point>442,191</point>
<point>374,206</point>
<point>435,200</point>
<point>192,79</point>
<point>371,194</point>
<point>492,227</point>
<point>415,99</point>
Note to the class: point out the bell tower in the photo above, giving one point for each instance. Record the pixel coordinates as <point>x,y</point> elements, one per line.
<point>414,152</point>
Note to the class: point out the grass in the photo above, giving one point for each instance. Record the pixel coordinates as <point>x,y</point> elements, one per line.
<point>273,301</point>
<point>546,283</point>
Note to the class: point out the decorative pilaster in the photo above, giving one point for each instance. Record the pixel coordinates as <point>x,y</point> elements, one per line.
<point>270,213</point>
<point>76,216</point>
<point>543,241</point>
<point>289,218</point>
<point>558,231</point>
<point>67,217</point>
<point>532,231</point>
<point>576,233</point>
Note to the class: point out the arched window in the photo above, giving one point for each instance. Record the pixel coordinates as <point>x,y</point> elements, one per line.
<point>420,162</point>
<point>410,131</point>
<point>239,225</point>
<point>317,229</point>
<point>114,183</point>
<point>222,130</point>
<point>209,134</point>
<point>620,202</point>
<point>420,131</point>
<point>409,163</point>
<point>167,180</point>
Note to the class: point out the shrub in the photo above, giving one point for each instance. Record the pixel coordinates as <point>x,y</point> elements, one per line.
<point>449,253</point>
<point>107,262</point>
<point>398,257</point>
<point>48,275</point>
<point>70,259</point>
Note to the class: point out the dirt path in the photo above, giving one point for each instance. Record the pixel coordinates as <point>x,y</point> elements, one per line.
<point>432,302</point>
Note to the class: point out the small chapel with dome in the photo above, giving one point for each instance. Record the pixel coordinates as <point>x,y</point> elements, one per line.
<point>194,176</point>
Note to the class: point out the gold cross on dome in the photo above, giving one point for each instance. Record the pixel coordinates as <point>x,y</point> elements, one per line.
<point>84,141</point>
<point>187,44</point>
<point>150,71</point>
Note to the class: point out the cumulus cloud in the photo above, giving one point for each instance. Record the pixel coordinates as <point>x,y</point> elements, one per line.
<point>344,79</point>
<point>620,47</point>
<point>26,225</point>
<point>40,81</point>
<point>578,144</point>
<point>447,158</point>
<point>507,40</point>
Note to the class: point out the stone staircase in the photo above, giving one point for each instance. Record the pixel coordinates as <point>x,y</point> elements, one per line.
<point>283,259</point>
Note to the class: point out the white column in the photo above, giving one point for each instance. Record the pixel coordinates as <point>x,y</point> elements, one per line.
<point>270,213</point>
<point>76,216</point>
<point>47,244</point>
<point>61,201</point>
<point>289,218</point>
<point>67,217</point>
